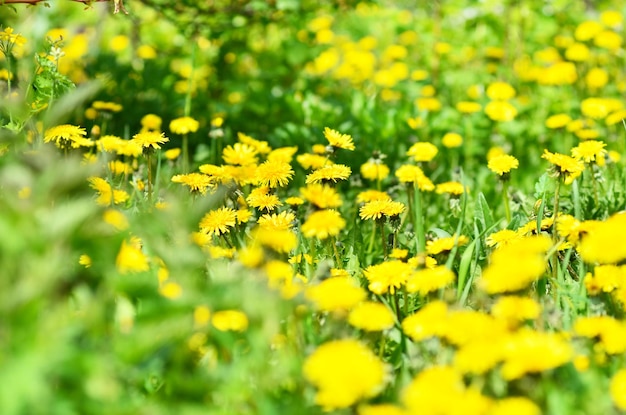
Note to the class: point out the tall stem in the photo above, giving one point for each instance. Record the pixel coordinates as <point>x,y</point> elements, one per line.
<point>419,220</point>
<point>149,161</point>
<point>505,199</point>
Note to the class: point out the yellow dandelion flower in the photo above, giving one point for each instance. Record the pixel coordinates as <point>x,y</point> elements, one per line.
<point>468,107</point>
<point>150,139</point>
<point>277,221</point>
<point>85,261</point>
<point>344,372</point>
<point>371,316</point>
<point>589,151</point>
<point>513,309</point>
<point>151,122</point>
<point>240,154</point>
<point>387,276</point>
<point>110,143</point>
<point>171,290</point>
<point>376,209</point>
<point>321,195</point>
<point>452,188</point>
<point>116,219</point>
<point>67,136</point>
<point>312,161</point>
<point>230,320</point>
<point>381,409</point>
<point>261,147</point>
<point>422,151</point>
<point>500,111</point>
<point>428,322</point>
<point>587,30</point>
<point>558,121</point>
<point>374,170</point>
<point>273,174</point>
<point>618,389</point>
<point>502,238</point>
<point>295,201</point>
<point>515,265</point>
<point>605,244</point>
<point>323,224</point>
<point>408,173</point>
<point>218,222</point>
<point>338,140</point>
<point>262,199</point>
<point>440,245</point>
<point>118,167</point>
<point>282,155</point>
<point>334,173</point>
<point>564,166</point>
<point>427,280</point>
<point>500,91</point>
<point>452,140</point>
<point>130,258</point>
<point>371,195</point>
<point>529,351</point>
<point>184,125</point>
<point>172,153</point>
<point>503,164</point>
<point>335,293</point>
<point>106,106</point>
<point>197,182</point>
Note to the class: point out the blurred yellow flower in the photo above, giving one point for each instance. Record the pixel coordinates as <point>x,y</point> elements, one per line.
<point>344,372</point>
<point>452,140</point>
<point>184,125</point>
<point>130,258</point>
<point>502,164</point>
<point>422,151</point>
<point>335,293</point>
<point>230,320</point>
<point>500,111</point>
<point>500,91</point>
<point>371,316</point>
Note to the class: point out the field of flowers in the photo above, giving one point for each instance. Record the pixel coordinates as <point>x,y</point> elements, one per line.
<point>298,207</point>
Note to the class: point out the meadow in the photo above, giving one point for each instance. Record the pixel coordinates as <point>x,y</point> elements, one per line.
<point>297,207</point>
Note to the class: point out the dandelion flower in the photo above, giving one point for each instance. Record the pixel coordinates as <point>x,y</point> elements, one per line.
<point>218,222</point>
<point>618,389</point>
<point>500,111</point>
<point>408,173</point>
<point>151,122</point>
<point>387,276</point>
<point>452,188</point>
<point>312,161</point>
<point>130,258</point>
<point>500,91</point>
<point>371,316</point>
<point>344,372</point>
<point>564,166</point>
<point>150,139</point>
<point>184,125</point>
<point>502,164</point>
<point>240,154</point>
<point>334,173</point>
<point>335,293</point>
<point>452,140</point>
<point>67,136</point>
<point>468,107</point>
<point>197,182</point>
<point>371,195</point>
<point>273,174</point>
<point>376,209</point>
<point>230,320</point>
<point>589,151</point>
<point>261,147</point>
<point>277,221</point>
<point>422,151</point>
<point>517,405</point>
<point>323,224</point>
<point>262,199</point>
<point>440,245</point>
<point>374,170</point>
<point>338,140</point>
<point>428,280</point>
<point>558,121</point>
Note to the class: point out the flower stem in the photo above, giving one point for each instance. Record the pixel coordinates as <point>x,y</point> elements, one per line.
<point>185,155</point>
<point>382,235</point>
<point>505,199</point>
<point>149,161</point>
<point>419,220</point>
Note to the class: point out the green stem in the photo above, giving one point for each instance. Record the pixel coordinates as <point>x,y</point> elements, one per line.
<point>382,235</point>
<point>333,241</point>
<point>372,237</point>
<point>419,220</point>
<point>505,199</point>
<point>185,155</point>
<point>149,161</point>
<point>594,184</point>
